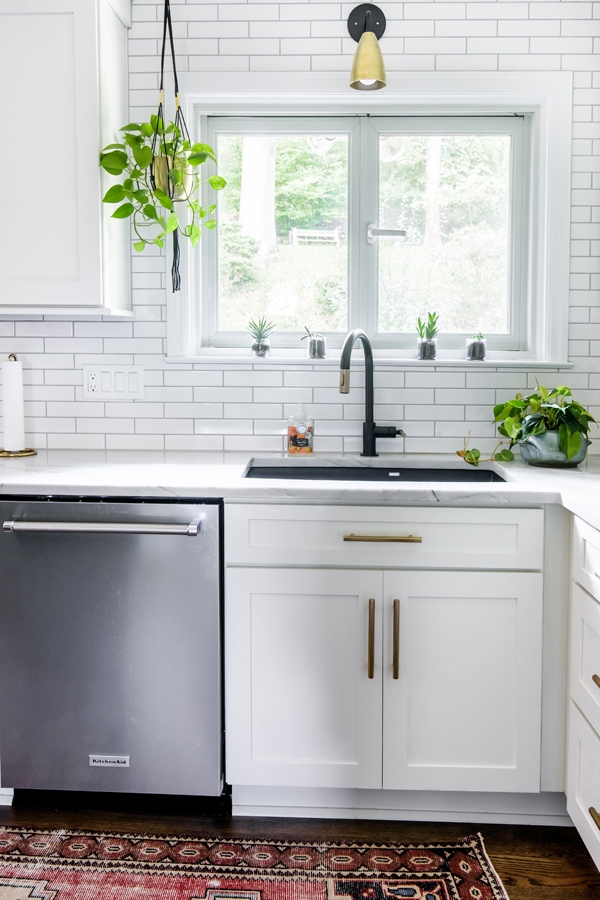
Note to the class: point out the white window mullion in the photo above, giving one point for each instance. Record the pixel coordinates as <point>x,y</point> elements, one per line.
<point>369,253</point>
<point>355,263</point>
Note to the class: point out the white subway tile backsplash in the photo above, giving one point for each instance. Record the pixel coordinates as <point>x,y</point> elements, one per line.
<point>76,441</point>
<point>193,442</point>
<point>135,408</point>
<point>242,406</point>
<point>225,426</point>
<point>210,377</point>
<point>253,410</point>
<point>105,426</point>
<point>265,378</point>
<point>134,442</point>
<point>281,395</point>
<point>224,394</point>
<point>194,410</point>
<point>253,443</point>
<point>163,426</point>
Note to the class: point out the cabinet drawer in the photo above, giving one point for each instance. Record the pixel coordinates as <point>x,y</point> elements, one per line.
<point>583,781</point>
<point>379,536</point>
<point>585,655</point>
<point>586,557</point>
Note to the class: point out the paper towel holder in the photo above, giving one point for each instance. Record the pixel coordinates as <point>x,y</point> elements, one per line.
<point>27,451</point>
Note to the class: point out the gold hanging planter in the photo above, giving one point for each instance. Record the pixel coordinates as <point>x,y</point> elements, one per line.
<point>366,23</point>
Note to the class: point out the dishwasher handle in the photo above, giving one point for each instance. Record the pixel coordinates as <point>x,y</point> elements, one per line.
<point>191,530</point>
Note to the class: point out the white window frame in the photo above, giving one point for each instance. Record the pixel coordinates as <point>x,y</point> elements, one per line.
<point>543,100</point>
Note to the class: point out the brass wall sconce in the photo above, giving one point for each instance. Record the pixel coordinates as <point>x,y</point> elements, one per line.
<point>366,24</point>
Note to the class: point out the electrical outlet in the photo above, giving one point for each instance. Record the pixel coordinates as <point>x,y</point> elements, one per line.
<point>113,382</point>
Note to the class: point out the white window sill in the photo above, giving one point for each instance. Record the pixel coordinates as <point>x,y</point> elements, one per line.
<point>279,357</point>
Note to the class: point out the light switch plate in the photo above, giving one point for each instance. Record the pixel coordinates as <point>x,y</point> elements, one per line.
<point>113,382</point>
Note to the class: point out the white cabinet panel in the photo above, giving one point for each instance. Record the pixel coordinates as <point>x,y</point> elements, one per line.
<point>586,557</point>
<point>583,781</point>
<point>585,655</point>
<point>300,707</point>
<point>54,258</point>
<point>450,538</point>
<point>465,711</point>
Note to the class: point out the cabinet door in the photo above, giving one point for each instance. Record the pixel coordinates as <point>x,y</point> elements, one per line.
<point>583,781</point>
<point>300,707</point>
<point>50,233</point>
<point>464,712</point>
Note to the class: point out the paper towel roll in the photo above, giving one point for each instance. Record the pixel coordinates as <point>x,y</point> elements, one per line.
<point>13,409</point>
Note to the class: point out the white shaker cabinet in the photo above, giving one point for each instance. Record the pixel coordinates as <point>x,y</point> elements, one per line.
<point>301,708</point>
<point>63,65</point>
<point>462,681</point>
<point>454,701</point>
<point>583,762</point>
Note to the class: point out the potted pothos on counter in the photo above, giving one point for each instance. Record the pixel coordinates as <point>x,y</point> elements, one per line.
<point>550,427</point>
<point>153,182</point>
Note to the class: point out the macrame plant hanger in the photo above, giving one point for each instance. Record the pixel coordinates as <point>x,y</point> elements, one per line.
<point>159,141</point>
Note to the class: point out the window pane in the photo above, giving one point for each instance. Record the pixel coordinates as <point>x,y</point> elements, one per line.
<point>282,235</point>
<point>451,194</point>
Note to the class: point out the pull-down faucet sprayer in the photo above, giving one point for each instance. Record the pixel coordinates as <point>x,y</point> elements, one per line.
<point>371,431</point>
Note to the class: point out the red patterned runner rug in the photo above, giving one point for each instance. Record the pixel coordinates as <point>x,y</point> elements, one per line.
<point>82,865</point>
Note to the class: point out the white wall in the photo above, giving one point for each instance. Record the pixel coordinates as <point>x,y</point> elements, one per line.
<point>242,407</point>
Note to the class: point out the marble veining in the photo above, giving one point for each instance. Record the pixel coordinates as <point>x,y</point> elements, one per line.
<point>205,474</point>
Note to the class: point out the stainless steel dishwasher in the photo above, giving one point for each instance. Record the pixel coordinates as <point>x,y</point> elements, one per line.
<point>110,646</point>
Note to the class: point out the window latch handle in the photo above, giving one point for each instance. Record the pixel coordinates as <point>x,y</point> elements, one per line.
<point>373,233</point>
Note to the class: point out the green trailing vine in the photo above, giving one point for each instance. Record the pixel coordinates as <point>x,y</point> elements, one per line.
<point>525,416</point>
<point>142,199</point>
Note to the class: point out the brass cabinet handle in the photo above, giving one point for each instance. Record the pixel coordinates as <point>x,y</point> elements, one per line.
<point>371,640</point>
<point>596,680</point>
<point>385,538</point>
<point>396,641</point>
<point>595,816</point>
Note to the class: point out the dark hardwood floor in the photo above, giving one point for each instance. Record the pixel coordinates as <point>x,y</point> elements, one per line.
<point>535,863</point>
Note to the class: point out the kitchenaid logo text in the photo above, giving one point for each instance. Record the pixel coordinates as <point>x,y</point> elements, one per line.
<point>109,760</point>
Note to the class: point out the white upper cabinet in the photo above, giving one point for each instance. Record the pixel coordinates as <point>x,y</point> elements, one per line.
<point>64,67</point>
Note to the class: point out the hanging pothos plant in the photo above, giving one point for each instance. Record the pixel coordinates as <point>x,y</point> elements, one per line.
<point>152,184</point>
<point>160,164</point>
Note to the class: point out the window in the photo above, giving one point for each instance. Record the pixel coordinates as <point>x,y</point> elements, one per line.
<point>510,130</point>
<point>292,242</point>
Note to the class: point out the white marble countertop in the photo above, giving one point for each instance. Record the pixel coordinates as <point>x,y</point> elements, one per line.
<point>210,475</point>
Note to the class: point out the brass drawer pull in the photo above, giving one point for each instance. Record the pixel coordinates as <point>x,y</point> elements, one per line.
<point>371,640</point>
<point>385,538</point>
<point>396,641</point>
<point>595,816</point>
<point>596,680</point>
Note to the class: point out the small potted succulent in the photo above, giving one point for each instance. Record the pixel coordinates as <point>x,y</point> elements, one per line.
<point>260,331</point>
<point>427,331</point>
<point>476,346</point>
<point>317,344</point>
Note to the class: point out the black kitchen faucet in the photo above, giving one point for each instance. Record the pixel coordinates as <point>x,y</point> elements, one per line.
<point>371,431</point>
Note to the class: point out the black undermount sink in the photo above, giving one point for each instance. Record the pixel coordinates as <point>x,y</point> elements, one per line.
<point>390,474</point>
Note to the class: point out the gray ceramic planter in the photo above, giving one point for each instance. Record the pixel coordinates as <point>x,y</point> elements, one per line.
<point>544,450</point>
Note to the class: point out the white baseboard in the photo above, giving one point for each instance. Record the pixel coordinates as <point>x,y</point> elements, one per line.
<point>402,806</point>
<point>6,796</point>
